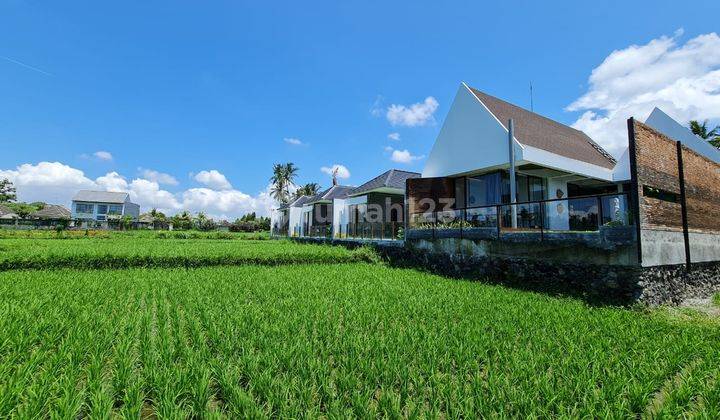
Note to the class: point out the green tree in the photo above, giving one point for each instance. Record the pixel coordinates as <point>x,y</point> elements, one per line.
<point>182,221</point>
<point>158,215</point>
<point>311,188</point>
<point>7,191</point>
<point>282,179</point>
<point>24,209</point>
<point>701,130</point>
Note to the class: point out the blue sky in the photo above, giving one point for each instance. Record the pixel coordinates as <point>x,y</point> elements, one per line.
<point>184,87</point>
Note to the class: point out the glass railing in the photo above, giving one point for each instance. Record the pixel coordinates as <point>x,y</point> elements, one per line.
<point>383,231</point>
<point>579,214</point>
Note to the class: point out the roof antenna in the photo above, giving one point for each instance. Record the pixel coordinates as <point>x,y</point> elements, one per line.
<point>531,98</point>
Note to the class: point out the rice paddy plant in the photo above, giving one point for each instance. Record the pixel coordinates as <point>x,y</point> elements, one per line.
<point>336,340</point>
<point>101,253</point>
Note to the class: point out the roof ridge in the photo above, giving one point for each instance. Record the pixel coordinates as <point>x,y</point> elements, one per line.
<point>390,173</point>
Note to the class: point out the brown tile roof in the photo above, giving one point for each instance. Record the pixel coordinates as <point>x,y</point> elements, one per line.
<point>543,133</point>
<point>52,212</point>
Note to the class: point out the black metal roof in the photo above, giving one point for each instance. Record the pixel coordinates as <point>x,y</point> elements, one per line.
<point>394,178</point>
<point>336,191</point>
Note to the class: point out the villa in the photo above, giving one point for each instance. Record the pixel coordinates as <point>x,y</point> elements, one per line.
<point>508,193</point>
<point>102,206</point>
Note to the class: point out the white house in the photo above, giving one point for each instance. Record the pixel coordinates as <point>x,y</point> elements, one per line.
<point>102,206</point>
<point>552,162</point>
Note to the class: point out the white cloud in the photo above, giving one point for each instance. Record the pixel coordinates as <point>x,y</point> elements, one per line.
<point>403,156</point>
<point>103,155</point>
<point>376,109</point>
<point>342,171</point>
<point>416,114</point>
<point>681,79</point>
<point>293,141</point>
<point>112,181</point>
<point>51,182</point>
<point>394,136</point>
<point>149,195</point>
<point>159,177</point>
<point>213,179</point>
<point>57,183</point>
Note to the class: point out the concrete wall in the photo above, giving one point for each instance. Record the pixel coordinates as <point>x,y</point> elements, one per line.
<point>610,246</point>
<point>132,209</point>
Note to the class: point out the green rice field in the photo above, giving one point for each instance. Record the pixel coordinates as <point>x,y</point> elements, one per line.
<point>278,329</point>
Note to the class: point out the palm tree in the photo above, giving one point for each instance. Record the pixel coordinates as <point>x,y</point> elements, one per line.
<point>701,130</point>
<point>283,177</point>
<point>311,188</point>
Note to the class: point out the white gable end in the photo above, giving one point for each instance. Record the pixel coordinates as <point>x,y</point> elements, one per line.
<point>471,138</point>
<point>673,129</point>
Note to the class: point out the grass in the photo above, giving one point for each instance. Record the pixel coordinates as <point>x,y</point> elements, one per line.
<point>119,252</point>
<point>133,234</point>
<point>285,330</point>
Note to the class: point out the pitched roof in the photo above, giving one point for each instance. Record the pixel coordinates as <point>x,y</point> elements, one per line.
<point>51,211</point>
<point>298,202</point>
<point>543,133</point>
<point>336,191</point>
<point>6,212</point>
<point>394,178</point>
<point>101,196</point>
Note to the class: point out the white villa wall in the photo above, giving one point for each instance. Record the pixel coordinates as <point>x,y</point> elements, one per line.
<point>295,220</point>
<point>339,216</point>
<point>621,172</point>
<point>671,128</point>
<point>341,213</point>
<point>471,138</point>
<point>551,160</point>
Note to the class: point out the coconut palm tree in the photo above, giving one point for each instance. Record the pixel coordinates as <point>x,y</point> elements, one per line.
<point>701,130</point>
<point>282,179</point>
<point>311,188</point>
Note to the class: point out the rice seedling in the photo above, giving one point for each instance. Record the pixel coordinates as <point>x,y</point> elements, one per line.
<point>335,340</point>
<point>98,253</point>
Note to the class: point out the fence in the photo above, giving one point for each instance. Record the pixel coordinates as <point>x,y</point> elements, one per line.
<point>568,215</point>
<point>29,224</point>
<point>383,231</point>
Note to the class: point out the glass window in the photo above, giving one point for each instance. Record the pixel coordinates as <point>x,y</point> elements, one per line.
<point>115,209</point>
<point>101,217</point>
<point>537,188</point>
<point>523,193</point>
<point>83,208</point>
<point>483,190</point>
<point>102,209</point>
<point>460,193</point>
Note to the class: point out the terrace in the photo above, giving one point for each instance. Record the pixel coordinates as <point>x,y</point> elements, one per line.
<point>592,218</point>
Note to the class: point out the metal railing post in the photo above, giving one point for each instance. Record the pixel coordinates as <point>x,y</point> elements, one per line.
<point>497,219</point>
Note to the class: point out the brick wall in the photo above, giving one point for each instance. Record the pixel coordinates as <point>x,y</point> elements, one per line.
<point>657,166</point>
<point>702,187</point>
